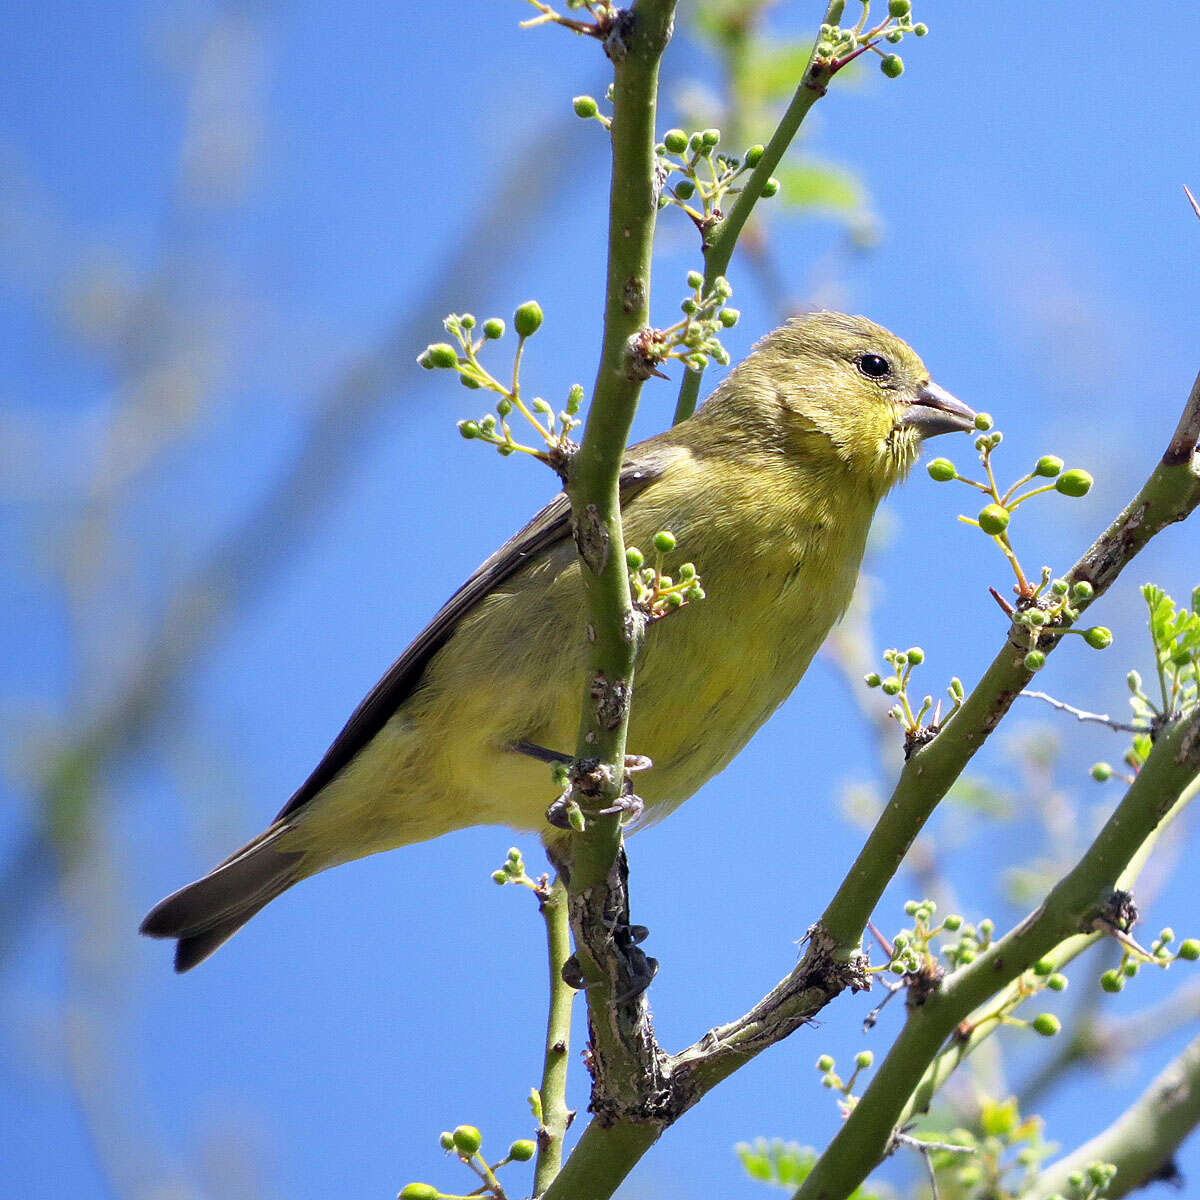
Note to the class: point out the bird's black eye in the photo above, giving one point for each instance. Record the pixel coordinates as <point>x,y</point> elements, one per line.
<point>872,366</point>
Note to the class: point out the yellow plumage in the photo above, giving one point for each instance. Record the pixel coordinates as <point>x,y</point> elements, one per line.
<point>770,489</point>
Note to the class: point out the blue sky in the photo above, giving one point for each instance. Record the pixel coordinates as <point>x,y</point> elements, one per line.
<point>1036,249</point>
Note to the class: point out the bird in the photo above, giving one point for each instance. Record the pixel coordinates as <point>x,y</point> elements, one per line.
<point>770,488</point>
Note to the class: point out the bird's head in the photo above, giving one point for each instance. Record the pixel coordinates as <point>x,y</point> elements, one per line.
<point>842,389</point>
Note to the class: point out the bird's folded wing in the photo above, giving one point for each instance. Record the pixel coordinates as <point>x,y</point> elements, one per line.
<point>549,526</point>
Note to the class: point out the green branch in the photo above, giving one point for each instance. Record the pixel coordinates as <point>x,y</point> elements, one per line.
<point>1142,1142</point>
<point>1076,904</point>
<point>721,240</point>
<point>555,1116</point>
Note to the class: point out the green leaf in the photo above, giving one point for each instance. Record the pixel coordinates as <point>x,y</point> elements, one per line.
<point>824,187</point>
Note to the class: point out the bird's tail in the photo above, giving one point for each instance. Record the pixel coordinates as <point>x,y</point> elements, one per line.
<point>208,912</point>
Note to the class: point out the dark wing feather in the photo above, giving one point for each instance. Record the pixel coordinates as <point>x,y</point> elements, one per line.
<point>549,526</point>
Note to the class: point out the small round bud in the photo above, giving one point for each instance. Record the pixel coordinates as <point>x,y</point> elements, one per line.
<point>891,687</point>
<point>916,655</point>
<point>527,320</point>
<point>1083,590</point>
<point>1035,617</point>
<point>1059,587</point>
<point>986,927</point>
<point>1167,936</point>
<point>825,1064</point>
<point>872,680</point>
<point>675,140</point>
<point>423,360</point>
<point>1098,637</point>
<point>892,65</point>
<point>722,288</point>
<point>895,37</point>
<point>419,1191</point>
<point>729,317</point>
<point>504,406</point>
<point>1111,981</point>
<point>753,155</point>
<point>1074,483</point>
<point>634,557</point>
<point>695,279</point>
<point>953,922</point>
<point>685,189</point>
<point>710,137</point>
<point>687,571</point>
<point>770,187</point>
<point>585,107</point>
<point>1101,1174</point>
<point>966,956</point>
<point>983,421</point>
<point>1057,982</point>
<point>689,307</point>
<point>446,1140</point>
<point>574,399</point>
<point>1189,951</point>
<point>1048,466</point>
<point>1101,772</point>
<point>1131,968</point>
<point>899,8</point>
<point>942,470</point>
<point>1047,1024</point>
<point>441,354</point>
<point>467,321</point>
<point>910,907</point>
<point>664,541</point>
<point>470,383</point>
<point>993,519</point>
<point>467,1140</point>
<point>1075,1180</point>
<point>493,328</point>
<point>920,29</point>
<point>829,1081</point>
<point>824,49</point>
<point>1134,681</point>
<point>522,1151</point>
<point>497,877</point>
<point>863,1059</point>
<point>1043,966</point>
<point>469,429</point>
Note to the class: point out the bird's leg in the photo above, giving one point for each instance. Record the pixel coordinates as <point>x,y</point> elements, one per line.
<point>629,805</point>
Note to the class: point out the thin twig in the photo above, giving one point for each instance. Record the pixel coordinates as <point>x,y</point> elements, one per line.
<point>1080,715</point>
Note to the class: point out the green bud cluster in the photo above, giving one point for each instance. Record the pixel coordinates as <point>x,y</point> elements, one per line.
<point>695,339</point>
<point>654,593</point>
<point>837,46</point>
<point>896,683</point>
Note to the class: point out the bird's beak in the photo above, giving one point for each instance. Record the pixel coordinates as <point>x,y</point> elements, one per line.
<point>935,411</point>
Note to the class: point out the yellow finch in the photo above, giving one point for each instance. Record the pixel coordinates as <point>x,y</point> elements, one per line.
<point>770,489</point>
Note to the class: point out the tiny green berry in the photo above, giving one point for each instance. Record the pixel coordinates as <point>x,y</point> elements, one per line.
<point>986,927</point>
<point>1101,772</point>
<point>753,155</point>
<point>966,956</point>
<point>825,1064</point>
<point>522,1151</point>
<point>1098,637</point>
<point>1083,590</point>
<point>1167,936</point>
<point>1047,1024</point>
<point>993,519</point>
<point>447,1140</point>
<point>942,470</point>
<point>1100,1173</point>
<point>634,557</point>
<point>1189,951</point>
<point>863,1059</point>
<point>419,1191</point>
<point>770,187</point>
<point>891,687</point>
<point>892,65</point>
<point>469,429</point>
<point>1075,1180</point>
<point>695,279</point>
<point>664,541</point>
<point>895,37</point>
<point>920,29</point>
<point>675,140</point>
<point>710,137</point>
<point>584,106</point>
<point>729,317</point>
<point>1131,968</point>
<point>493,328</point>
<point>441,354</point>
<point>899,8</point>
<point>872,680</point>
<point>685,189</point>
<point>504,406</point>
<point>1057,982</point>
<point>467,1140</point>
<point>497,877</point>
<point>953,922</point>
<point>467,321</point>
<point>910,907</point>
<point>983,421</point>
<point>1111,981</point>
<point>916,655</point>
<point>1074,483</point>
<point>527,320</point>
<point>1048,466</point>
